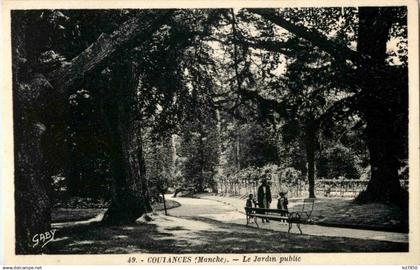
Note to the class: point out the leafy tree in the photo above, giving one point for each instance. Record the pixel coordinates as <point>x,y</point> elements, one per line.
<point>257,145</point>
<point>36,94</point>
<point>296,98</point>
<point>379,87</point>
<point>338,161</point>
<point>159,156</point>
<point>199,140</point>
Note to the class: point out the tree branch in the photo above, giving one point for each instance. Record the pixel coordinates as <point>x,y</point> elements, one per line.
<point>338,51</point>
<point>339,110</point>
<point>124,38</point>
<point>271,46</point>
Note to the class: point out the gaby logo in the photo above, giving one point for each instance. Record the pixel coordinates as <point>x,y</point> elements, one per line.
<point>43,238</point>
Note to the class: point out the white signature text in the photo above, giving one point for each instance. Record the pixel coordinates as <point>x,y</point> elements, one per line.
<point>43,238</point>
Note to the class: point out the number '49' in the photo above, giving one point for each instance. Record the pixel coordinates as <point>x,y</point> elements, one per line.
<point>132,260</point>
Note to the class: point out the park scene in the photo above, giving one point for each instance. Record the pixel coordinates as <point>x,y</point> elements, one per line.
<point>242,130</point>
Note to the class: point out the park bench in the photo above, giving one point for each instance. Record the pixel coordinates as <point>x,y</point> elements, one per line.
<point>296,217</point>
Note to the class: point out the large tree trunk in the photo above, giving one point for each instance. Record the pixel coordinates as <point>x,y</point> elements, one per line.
<point>384,185</point>
<point>32,203</point>
<point>130,199</point>
<point>380,98</point>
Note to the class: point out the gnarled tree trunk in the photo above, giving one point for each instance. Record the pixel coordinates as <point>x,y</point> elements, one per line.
<point>32,203</point>
<point>379,105</point>
<point>130,195</point>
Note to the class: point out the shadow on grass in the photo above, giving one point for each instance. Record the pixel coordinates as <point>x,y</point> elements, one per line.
<point>98,238</point>
<point>345,213</point>
<point>215,237</point>
<point>79,214</point>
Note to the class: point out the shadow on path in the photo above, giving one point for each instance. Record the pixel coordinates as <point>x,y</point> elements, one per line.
<point>169,234</point>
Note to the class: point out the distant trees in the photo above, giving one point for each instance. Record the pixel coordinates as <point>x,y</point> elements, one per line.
<point>379,86</point>
<point>338,161</point>
<point>198,133</point>
<point>160,159</point>
<point>258,145</point>
<point>292,88</point>
<point>334,31</point>
<point>199,152</point>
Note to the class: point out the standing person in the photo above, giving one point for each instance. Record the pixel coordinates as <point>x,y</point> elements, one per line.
<point>264,196</point>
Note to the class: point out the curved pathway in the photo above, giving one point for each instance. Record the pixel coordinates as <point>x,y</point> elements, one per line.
<point>229,211</point>
<point>208,226</point>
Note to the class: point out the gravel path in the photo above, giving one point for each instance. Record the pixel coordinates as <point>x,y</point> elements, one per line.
<point>208,226</point>
<point>229,210</point>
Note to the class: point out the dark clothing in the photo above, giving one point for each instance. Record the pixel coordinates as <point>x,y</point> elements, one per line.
<point>264,198</point>
<point>250,203</point>
<point>282,203</point>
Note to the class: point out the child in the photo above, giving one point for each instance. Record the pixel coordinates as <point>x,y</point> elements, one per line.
<point>282,202</point>
<point>250,202</point>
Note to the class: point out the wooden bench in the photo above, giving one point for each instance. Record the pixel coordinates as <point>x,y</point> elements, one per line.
<point>298,217</point>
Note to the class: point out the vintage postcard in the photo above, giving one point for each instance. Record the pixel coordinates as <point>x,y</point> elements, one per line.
<point>210,132</point>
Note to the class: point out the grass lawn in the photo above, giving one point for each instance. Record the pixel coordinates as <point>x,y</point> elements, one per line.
<point>340,212</point>
<point>78,214</point>
<point>344,212</point>
<point>74,214</point>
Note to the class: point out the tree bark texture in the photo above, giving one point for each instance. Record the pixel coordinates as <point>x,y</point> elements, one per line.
<point>32,203</point>
<point>130,198</point>
<point>380,104</point>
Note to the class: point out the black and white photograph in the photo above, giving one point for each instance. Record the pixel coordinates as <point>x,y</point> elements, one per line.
<point>212,131</point>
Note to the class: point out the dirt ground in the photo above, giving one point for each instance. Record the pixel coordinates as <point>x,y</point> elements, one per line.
<point>168,234</point>
<point>207,225</point>
<point>340,212</point>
